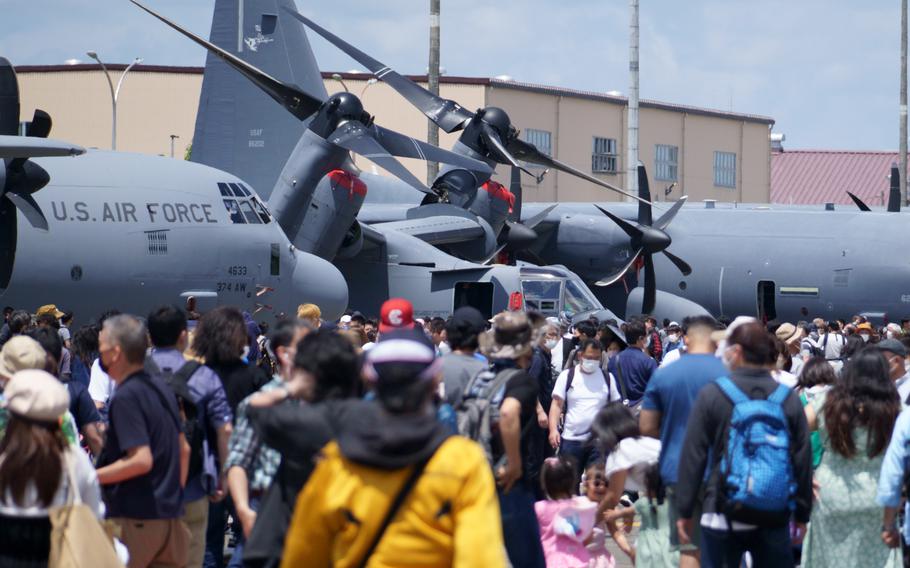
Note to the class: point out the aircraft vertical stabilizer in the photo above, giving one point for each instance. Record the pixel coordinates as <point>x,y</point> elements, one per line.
<point>239,129</point>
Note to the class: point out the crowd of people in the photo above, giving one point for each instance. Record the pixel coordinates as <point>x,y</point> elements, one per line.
<point>212,440</point>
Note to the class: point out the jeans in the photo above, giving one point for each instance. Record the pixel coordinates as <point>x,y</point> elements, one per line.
<point>770,548</point>
<point>584,453</point>
<point>519,527</point>
<point>214,535</point>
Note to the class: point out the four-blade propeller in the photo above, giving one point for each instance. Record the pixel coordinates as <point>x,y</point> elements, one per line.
<point>344,124</point>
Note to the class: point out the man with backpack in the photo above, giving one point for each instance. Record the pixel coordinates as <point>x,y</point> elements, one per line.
<point>206,414</point>
<point>580,392</point>
<point>759,477</point>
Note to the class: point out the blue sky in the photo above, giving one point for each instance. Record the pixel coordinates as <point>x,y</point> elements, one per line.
<point>826,70</point>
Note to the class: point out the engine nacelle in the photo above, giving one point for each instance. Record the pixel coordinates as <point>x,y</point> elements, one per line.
<point>352,243</point>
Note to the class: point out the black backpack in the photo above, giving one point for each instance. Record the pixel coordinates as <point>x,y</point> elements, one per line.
<point>192,424</point>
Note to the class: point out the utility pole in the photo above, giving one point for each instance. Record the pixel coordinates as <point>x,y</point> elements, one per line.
<point>632,135</point>
<point>433,85</point>
<point>903,103</point>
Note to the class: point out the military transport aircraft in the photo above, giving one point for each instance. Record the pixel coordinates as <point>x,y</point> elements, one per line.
<point>319,193</point>
<point>112,229</point>
<point>748,260</point>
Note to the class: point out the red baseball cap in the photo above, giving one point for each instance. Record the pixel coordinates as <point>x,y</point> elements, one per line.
<point>396,313</point>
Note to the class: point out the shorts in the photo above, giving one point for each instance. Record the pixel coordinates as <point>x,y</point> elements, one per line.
<point>673,514</point>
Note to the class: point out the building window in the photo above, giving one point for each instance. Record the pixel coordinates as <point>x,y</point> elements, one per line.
<point>725,169</point>
<point>666,162</point>
<point>603,156</point>
<point>542,139</point>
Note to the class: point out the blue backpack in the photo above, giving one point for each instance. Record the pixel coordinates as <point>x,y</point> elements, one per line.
<point>756,470</point>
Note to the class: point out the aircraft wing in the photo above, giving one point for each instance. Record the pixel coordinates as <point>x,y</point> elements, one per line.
<point>12,147</point>
<point>439,230</point>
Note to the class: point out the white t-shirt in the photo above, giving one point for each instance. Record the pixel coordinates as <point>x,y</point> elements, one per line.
<point>588,394</point>
<point>671,357</point>
<point>785,378</point>
<point>903,388</point>
<point>100,386</point>
<point>635,455</point>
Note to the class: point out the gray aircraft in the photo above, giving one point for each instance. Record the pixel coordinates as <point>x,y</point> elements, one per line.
<point>788,264</point>
<point>318,193</point>
<point>112,229</point>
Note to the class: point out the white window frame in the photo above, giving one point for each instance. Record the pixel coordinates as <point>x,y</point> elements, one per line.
<point>725,169</point>
<point>604,156</point>
<point>666,162</point>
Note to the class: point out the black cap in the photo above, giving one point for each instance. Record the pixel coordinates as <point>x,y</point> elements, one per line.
<point>468,319</point>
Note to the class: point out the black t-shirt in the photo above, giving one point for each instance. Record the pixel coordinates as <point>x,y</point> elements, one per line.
<point>240,380</point>
<point>144,412</point>
<point>524,389</point>
<point>82,407</point>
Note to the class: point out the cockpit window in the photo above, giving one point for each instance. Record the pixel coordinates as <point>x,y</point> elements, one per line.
<point>236,189</point>
<point>249,214</point>
<point>234,211</point>
<point>224,189</point>
<point>577,300</point>
<point>542,295</point>
<point>260,210</point>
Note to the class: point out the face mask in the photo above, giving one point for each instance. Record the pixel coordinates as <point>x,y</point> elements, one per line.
<point>588,366</point>
<point>611,353</point>
<point>673,338</point>
<point>245,353</point>
<point>889,334</point>
<point>552,343</point>
<point>865,337</point>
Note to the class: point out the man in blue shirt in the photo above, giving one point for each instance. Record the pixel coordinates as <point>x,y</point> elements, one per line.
<point>667,403</point>
<point>168,331</point>
<point>631,366</point>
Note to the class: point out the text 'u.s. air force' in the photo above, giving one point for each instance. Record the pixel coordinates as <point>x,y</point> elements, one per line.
<point>125,212</point>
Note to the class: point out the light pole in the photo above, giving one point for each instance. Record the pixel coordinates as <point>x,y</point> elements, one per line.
<point>338,78</point>
<point>173,137</point>
<point>114,92</point>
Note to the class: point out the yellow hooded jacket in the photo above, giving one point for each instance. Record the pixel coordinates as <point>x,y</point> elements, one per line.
<point>450,518</point>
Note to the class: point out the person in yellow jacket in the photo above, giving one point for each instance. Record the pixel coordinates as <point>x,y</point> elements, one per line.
<point>448,513</point>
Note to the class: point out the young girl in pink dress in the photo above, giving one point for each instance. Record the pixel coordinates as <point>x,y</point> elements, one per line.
<point>566,520</point>
<point>594,486</point>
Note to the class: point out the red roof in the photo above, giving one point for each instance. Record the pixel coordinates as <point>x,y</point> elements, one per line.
<point>825,176</point>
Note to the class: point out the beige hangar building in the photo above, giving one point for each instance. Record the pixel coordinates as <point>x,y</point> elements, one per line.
<point>707,154</point>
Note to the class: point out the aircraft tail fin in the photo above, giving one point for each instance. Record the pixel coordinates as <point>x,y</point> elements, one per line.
<point>240,129</point>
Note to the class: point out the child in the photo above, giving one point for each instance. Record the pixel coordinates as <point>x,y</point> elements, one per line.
<point>594,487</point>
<point>565,520</point>
<point>653,544</point>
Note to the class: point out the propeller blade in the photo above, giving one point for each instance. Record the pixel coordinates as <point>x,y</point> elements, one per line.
<point>681,264</point>
<point>644,191</point>
<point>538,219</point>
<point>40,126</point>
<point>650,297</point>
<point>9,99</point>
<point>447,114</point>
<point>859,202</point>
<point>664,220</point>
<point>29,207</point>
<point>611,279</point>
<point>498,149</point>
<point>291,97</point>
<point>627,227</point>
<point>28,147</point>
<point>357,138</point>
<point>515,189</point>
<point>407,147</point>
<point>529,153</point>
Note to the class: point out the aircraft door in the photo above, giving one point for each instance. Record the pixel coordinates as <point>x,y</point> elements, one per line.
<point>767,309</point>
<point>475,294</point>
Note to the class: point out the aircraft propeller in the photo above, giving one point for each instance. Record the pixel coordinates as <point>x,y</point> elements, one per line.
<point>489,131</point>
<point>20,177</point>
<point>340,120</point>
<point>648,238</point>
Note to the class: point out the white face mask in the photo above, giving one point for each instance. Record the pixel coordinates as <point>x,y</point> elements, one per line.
<point>673,337</point>
<point>889,334</point>
<point>552,343</point>
<point>246,352</point>
<point>588,366</point>
<point>865,337</point>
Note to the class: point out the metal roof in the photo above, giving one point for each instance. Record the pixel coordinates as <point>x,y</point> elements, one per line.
<point>825,176</point>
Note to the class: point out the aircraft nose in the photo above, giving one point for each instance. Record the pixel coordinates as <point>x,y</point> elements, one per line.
<point>317,281</point>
